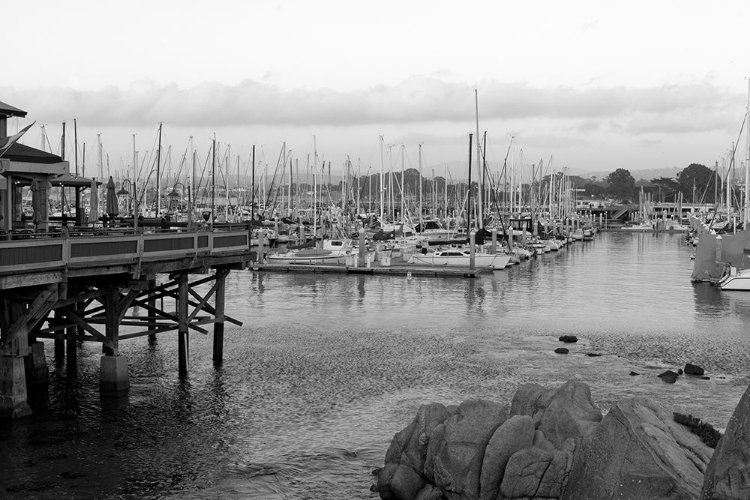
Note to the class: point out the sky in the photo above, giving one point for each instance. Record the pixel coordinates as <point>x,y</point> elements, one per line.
<point>591,86</point>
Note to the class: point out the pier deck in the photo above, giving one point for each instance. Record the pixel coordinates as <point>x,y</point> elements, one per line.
<point>80,286</point>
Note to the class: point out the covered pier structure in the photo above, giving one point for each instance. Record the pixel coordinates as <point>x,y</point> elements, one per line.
<point>83,287</point>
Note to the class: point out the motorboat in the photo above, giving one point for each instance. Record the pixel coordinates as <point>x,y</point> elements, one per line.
<point>735,279</point>
<point>307,256</point>
<point>460,258</point>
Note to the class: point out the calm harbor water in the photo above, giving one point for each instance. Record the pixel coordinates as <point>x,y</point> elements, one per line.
<point>326,368</point>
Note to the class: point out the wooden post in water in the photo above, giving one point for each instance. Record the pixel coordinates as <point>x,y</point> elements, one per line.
<point>114,380</point>
<point>259,254</point>
<point>494,240</point>
<point>472,257</point>
<point>13,383</point>
<point>152,302</point>
<point>62,294</point>
<point>221,278</point>
<point>183,348</point>
<point>362,249</point>
<point>71,348</point>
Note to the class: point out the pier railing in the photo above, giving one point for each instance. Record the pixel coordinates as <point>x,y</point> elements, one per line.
<point>29,252</point>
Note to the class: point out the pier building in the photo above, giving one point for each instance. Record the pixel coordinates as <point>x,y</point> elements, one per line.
<point>81,282</point>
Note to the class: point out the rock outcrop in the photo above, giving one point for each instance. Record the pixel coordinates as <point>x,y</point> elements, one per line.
<point>549,444</point>
<point>483,450</point>
<point>728,473</point>
<point>638,451</point>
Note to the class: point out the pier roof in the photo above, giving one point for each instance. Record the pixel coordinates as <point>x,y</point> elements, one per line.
<point>7,110</point>
<point>26,154</point>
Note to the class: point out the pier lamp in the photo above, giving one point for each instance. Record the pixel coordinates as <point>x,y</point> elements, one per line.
<point>125,192</point>
<point>176,195</point>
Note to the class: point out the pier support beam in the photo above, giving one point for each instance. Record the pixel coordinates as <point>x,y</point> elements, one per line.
<point>62,293</point>
<point>13,398</point>
<point>37,371</point>
<point>183,346</point>
<point>114,380</point>
<point>152,303</point>
<point>221,278</point>
<point>59,350</point>
<point>71,347</point>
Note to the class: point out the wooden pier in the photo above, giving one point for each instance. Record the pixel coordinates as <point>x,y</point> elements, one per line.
<point>81,285</point>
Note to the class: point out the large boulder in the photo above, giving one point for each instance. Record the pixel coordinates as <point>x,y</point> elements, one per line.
<point>728,473</point>
<point>402,476</point>
<point>638,451</point>
<point>562,413</point>
<point>457,450</point>
<point>537,472</point>
<point>554,444</point>
<point>517,433</point>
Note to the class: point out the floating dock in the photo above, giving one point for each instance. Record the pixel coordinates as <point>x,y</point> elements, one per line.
<point>403,269</point>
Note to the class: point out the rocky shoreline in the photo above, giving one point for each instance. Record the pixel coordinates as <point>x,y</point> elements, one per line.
<point>556,444</point>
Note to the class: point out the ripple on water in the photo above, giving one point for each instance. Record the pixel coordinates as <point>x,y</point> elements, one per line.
<point>326,369</point>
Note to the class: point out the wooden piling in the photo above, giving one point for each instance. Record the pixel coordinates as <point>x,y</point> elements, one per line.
<point>219,298</point>
<point>183,347</point>
<point>152,303</point>
<point>71,347</point>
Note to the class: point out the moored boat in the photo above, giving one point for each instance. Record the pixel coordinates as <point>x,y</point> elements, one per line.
<point>735,280</point>
<point>460,258</point>
<point>307,256</point>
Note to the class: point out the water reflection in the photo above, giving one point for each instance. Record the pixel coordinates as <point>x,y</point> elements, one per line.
<point>709,300</point>
<point>328,367</point>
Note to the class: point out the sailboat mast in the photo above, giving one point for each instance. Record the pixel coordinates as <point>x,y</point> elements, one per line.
<point>382,189</point>
<point>468,205</point>
<point>359,194</point>
<point>421,223</point>
<point>191,186</point>
<point>252,188</point>
<point>403,188</point>
<point>445,200</point>
<point>213,179</point>
<point>75,143</point>
<point>291,183</point>
<point>747,158</point>
<point>62,142</point>
<point>315,190</point>
<point>134,184</point>
<point>238,215</point>
<point>485,187</point>
<point>480,218</point>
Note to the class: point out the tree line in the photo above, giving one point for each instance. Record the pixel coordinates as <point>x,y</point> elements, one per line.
<point>697,184</point>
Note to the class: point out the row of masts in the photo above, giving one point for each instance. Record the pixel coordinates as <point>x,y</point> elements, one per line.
<point>285,193</point>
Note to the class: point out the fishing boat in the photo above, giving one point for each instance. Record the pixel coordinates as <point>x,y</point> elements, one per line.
<point>460,258</point>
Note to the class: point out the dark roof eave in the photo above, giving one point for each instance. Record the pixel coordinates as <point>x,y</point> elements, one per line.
<point>8,110</point>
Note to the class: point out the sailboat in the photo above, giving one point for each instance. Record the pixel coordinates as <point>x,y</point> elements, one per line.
<point>734,277</point>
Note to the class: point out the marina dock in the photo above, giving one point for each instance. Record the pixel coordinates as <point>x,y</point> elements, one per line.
<point>393,270</point>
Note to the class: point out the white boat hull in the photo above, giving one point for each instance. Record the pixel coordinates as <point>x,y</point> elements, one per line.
<point>736,280</point>
<point>494,261</point>
<point>307,256</point>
